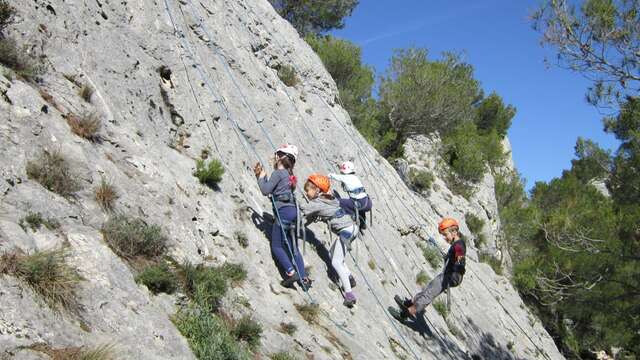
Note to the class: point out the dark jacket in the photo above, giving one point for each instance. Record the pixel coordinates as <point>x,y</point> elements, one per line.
<point>455,269</point>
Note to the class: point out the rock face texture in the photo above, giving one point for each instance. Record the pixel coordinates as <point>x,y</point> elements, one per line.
<point>177,79</point>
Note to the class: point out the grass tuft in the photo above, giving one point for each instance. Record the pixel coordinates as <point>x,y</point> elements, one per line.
<point>106,195</point>
<point>248,331</point>
<point>309,312</point>
<point>18,60</point>
<point>441,308</point>
<point>86,92</point>
<point>48,274</point>
<point>86,125</point>
<point>35,222</point>
<point>208,335</point>
<point>51,170</point>
<point>282,356</point>
<point>103,352</point>
<point>288,328</point>
<point>131,237</point>
<point>422,278</point>
<point>431,254</point>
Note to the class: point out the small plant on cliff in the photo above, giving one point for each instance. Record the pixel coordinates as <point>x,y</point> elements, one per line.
<point>158,279</point>
<point>309,312</point>
<point>86,92</point>
<point>430,253</point>
<point>131,237</point>
<point>51,170</point>
<point>86,125</point>
<point>106,195</point>
<point>422,278</point>
<point>35,222</point>
<point>48,274</point>
<point>282,356</point>
<point>103,352</point>
<point>421,179</point>
<point>209,173</point>
<point>249,331</point>
<point>287,74</point>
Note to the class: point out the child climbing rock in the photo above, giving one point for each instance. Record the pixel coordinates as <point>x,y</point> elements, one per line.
<point>358,198</point>
<point>324,207</point>
<point>451,276</point>
<point>280,186</point>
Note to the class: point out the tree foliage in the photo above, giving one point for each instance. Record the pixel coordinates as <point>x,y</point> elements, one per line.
<point>493,115</point>
<point>424,96</point>
<point>600,39</point>
<point>315,16</point>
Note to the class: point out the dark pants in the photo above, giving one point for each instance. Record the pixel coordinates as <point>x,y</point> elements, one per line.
<point>349,206</point>
<point>282,247</point>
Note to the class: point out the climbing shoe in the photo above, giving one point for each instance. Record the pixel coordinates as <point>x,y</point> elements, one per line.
<point>349,299</point>
<point>404,305</point>
<point>290,281</point>
<point>352,281</point>
<point>397,314</point>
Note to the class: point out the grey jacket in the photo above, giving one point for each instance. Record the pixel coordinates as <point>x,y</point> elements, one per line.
<point>325,209</point>
<point>278,186</point>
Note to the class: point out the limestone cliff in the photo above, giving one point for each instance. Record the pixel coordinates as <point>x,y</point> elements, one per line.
<point>175,79</point>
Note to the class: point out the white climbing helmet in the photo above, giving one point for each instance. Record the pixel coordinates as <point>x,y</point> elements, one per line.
<point>288,149</point>
<point>347,167</point>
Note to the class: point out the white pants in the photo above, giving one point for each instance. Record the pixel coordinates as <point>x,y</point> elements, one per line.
<point>338,254</point>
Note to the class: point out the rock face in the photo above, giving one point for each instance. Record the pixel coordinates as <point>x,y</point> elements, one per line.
<point>175,79</point>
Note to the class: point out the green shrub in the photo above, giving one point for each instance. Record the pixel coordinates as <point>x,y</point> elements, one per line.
<point>454,330</point>
<point>7,16</point>
<point>210,173</point>
<point>309,312</point>
<point>288,328</point>
<point>493,115</point>
<point>48,274</point>
<point>208,336</point>
<point>421,179</point>
<point>287,75</point>
<point>249,331</point>
<point>422,278</point>
<point>131,237</point>
<point>86,125</point>
<point>492,261</point>
<point>441,308</point>
<point>52,171</point>
<point>241,238</point>
<point>106,195</point>
<point>463,152</point>
<point>282,356</point>
<point>158,279</point>
<point>474,223</point>
<point>431,254</point>
<point>35,222</point>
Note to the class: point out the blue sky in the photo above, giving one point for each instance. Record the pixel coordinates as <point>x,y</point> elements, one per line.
<point>497,39</point>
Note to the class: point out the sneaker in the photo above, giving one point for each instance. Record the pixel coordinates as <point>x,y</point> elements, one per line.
<point>290,281</point>
<point>404,305</point>
<point>349,299</point>
<point>352,281</point>
<point>397,314</point>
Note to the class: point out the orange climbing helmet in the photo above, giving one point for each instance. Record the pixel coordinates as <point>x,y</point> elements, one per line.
<point>321,181</point>
<point>446,223</point>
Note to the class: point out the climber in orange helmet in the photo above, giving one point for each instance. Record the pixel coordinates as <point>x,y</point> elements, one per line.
<point>451,276</point>
<point>325,207</point>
